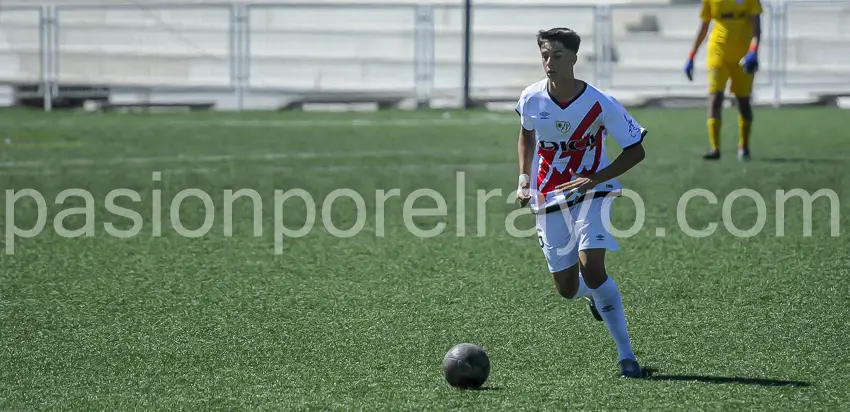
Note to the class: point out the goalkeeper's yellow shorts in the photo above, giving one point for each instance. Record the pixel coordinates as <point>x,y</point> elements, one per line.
<point>720,72</point>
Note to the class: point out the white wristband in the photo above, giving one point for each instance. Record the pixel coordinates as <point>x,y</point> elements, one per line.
<point>524,178</point>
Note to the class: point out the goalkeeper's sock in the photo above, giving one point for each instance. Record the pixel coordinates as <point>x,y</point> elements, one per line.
<point>610,305</point>
<point>744,127</point>
<point>714,132</point>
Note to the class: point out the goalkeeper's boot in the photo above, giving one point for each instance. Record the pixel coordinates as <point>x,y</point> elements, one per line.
<point>743,154</point>
<point>629,368</point>
<point>592,305</point>
<point>712,154</point>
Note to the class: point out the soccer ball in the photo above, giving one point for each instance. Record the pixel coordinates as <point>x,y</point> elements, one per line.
<point>466,366</point>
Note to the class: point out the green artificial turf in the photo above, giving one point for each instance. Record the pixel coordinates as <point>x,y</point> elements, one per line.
<point>257,320</point>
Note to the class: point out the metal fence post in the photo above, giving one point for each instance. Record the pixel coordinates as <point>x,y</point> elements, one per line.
<point>467,52</point>
<point>234,40</point>
<point>49,44</point>
<point>238,52</point>
<point>603,39</point>
<point>44,49</point>
<point>778,43</point>
<point>597,50</point>
<point>245,53</point>
<point>607,56</point>
<point>424,54</point>
<point>783,46</point>
<point>775,44</point>
<point>54,36</point>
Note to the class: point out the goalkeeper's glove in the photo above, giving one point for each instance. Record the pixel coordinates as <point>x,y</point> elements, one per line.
<point>750,62</point>
<point>689,66</point>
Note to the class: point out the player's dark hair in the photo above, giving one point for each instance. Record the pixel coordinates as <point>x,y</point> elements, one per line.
<point>567,37</point>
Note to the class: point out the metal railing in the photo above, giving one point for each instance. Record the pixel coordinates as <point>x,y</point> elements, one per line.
<point>432,29</point>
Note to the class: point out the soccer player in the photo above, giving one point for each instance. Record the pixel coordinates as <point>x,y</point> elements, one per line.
<point>568,182</point>
<point>732,55</point>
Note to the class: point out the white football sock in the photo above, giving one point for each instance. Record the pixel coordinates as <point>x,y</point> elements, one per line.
<point>610,307</point>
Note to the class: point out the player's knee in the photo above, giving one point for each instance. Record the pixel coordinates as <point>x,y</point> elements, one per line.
<point>566,283</point>
<point>593,272</point>
<point>715,105</point>
<point>567,290</point>
<point>745,109</point>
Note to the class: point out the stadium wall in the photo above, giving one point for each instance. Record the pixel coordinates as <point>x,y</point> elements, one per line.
<point>267,55</point>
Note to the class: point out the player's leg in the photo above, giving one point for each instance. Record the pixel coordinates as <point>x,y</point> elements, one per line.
<point>571,285</point>
<point>554,233</point>
<point>594,240</point>
<point>718,76</point>
<point>742,88</point>
<point>560,248</point>
<point>606,293</point>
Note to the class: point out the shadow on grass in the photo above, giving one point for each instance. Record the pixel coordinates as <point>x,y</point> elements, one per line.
<point>650,374</point>
<point>486,388</point>
<point>804,159</point>
<point>480,388</point>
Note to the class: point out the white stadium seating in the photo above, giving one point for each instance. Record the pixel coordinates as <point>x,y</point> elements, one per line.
<point>368,45</point>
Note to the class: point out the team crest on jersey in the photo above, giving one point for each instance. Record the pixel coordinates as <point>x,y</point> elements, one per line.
<point>563,127</point>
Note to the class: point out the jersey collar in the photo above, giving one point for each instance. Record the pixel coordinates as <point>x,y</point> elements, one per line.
<point>567,104</point>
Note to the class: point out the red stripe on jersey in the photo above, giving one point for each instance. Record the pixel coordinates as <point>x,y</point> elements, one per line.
<point>547,157</point>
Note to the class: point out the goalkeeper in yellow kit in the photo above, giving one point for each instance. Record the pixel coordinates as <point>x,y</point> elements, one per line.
<point>732,55</point>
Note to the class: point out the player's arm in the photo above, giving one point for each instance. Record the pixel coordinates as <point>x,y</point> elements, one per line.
<point>525,150</point>
<point>627,159</point>
<point>705,21</point>
<point>750,61</point>
<point>755,15</point>
<point>754,43</point>
<point>702,31</point>
<point>525,154</point>
<point>628,133</point>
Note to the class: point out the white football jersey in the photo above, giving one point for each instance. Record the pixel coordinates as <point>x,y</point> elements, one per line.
<point>572,136</point>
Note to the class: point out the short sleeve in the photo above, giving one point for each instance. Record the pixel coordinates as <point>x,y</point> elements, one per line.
<point>625,130</point>
<point>705,13</point>
<point>526,121</point>
<point>755,7</point>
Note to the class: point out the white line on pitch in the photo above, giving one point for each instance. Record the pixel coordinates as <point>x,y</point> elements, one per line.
<point>272,169</point>
<point>477,120</point>
<point>123,161</point>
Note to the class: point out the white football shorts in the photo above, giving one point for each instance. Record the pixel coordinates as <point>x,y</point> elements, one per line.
<point>562,234</point>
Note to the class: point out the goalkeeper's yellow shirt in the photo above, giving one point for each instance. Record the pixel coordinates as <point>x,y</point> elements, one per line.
<point>733,28</point>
